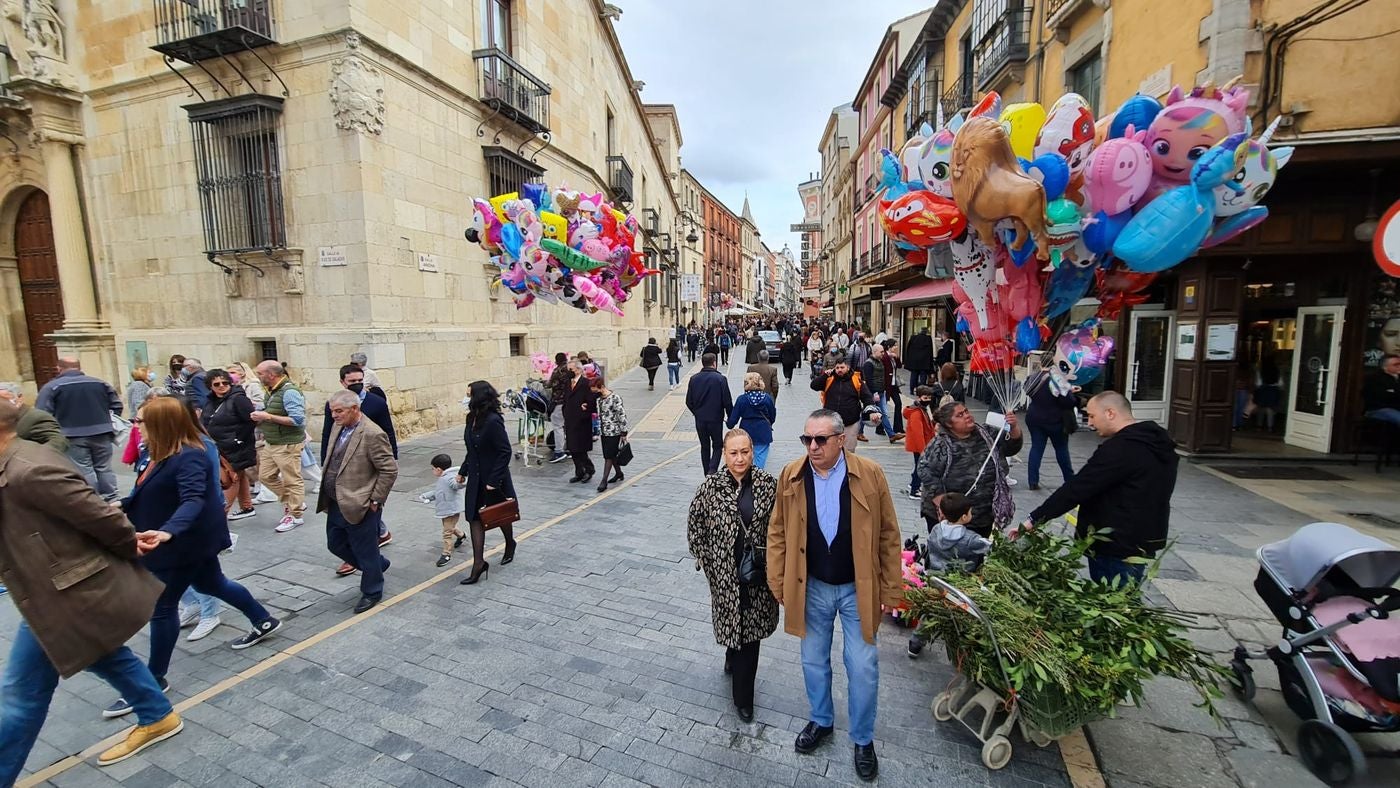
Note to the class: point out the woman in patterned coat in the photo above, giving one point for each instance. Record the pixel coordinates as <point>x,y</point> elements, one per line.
<point>729,513</point>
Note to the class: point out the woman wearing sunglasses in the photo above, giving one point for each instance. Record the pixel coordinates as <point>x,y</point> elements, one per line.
<point>227,417</point>
<point>728,531</point>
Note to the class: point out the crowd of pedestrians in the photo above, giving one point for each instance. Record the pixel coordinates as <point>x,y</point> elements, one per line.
<point>817,539</point>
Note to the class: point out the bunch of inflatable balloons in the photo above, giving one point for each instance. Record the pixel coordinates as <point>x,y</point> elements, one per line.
<point>1035,207</point>
<point>560,247</point>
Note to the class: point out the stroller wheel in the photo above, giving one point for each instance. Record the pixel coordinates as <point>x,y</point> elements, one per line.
<point>1242,679</point>
<point>996,752</point>
<point>943,707</point>
<point>1329,752</point>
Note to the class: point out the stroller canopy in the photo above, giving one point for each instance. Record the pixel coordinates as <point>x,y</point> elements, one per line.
<point>1303,558</point>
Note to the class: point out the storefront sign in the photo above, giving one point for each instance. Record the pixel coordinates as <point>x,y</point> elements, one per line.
<point>690,287</point>
<point>1189,296</point>
<point>1220,341</point>
<point>1386,244</point>
<point>1185,341</point>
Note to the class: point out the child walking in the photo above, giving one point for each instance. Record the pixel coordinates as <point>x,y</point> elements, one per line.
<point>448,502</point>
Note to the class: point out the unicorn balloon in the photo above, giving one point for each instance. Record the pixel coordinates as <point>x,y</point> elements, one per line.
<point>1079,357</point>
<point>1261,166</point>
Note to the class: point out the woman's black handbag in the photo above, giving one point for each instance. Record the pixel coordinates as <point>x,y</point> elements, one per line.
<point>752,568</point>
<point>624,454</point>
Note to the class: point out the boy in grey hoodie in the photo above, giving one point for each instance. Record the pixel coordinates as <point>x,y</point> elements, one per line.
<point>951,547</point>
<point>448,503</point>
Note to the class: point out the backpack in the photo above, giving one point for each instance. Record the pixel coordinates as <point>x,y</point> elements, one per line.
<point>855,381</point>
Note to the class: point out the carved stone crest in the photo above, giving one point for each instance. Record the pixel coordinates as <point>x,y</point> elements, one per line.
<point>357,91</point>
<point>33,32</point>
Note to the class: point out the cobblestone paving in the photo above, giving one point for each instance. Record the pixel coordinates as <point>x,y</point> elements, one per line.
<point>590,660</point>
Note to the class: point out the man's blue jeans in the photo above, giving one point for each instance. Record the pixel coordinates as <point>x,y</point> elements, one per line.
<point>30,680</point>
<point>824,603</point>
<point>93,456</point>
<point>208,606</point>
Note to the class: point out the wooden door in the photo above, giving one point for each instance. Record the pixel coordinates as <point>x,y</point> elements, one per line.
<point>38,283</point>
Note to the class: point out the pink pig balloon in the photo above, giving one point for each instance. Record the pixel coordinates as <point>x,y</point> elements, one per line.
<point>596,295</point>
<point>1119,173</point>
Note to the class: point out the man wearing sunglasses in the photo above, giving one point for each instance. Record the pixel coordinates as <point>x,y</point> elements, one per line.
<point>834,550</point>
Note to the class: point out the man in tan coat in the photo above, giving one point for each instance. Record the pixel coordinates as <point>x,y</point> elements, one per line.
<point>768,372</point>
<point>834,549</point>
<point>359,472</point>
<point>69,560</point>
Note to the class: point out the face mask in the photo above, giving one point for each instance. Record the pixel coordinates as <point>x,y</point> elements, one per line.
<point>150,377</point>
<point>235,377</point>
<point>356,387</point>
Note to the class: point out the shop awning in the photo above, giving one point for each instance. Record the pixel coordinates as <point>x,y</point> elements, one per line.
<point>923,291</point>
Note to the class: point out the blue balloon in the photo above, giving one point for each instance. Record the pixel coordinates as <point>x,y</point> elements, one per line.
<point>537,194</point>
<point>1067,285</point>
<point>1139,111</point>
<point>1100,234</point>
<point>1054,173</point>
<point>511,239</point>
<point>1027,336</point>
<point>963,326</point>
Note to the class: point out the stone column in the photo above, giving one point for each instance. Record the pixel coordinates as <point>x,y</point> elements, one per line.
<point>54,118</point>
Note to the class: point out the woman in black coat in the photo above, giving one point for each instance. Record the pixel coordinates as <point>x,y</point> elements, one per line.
<point>651,361</point>
<point>486,472</point>
<point>227,417</point>
<point>580,403</point>
<point>752,347</point>
<point>792,356</point>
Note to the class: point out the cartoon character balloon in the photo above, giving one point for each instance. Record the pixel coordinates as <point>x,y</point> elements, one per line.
<point>921,219</point>
<point>927,163</point>
<point>1119,173</point>
<point>1068,131</point>
<point>974,270</point>
<point>988,184</point>
<point>1190,125</point>
<point>1172,227</point>
<point>1261,166</point>
<point>1079,357</point>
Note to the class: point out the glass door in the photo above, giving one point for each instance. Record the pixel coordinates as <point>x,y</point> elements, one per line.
<point>1149,363</point>
<point>1315,361</point>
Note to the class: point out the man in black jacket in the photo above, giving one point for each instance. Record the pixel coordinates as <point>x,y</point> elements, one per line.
<point>708,399</point>
<point>878,377</point>
<point>1126,487</point>
<point>844,391</point>
<point>918,359</point>
<point>945,351</point>
<point>1380,394</point>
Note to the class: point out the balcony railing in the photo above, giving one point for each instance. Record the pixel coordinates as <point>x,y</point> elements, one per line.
<point>195,30</point>
<point>507,88</point>
<point>957,96</point>
<point>1007,42</point>
<point>620,178</point>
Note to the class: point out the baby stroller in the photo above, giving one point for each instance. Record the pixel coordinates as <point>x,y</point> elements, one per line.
<point>1339,657</point>
<point>531,405</point>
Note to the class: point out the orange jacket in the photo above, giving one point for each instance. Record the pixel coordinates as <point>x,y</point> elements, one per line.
<point>918,429</point>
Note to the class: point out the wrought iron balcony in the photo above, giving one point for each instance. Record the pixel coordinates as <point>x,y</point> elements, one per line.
<point>1006,44</point>
<point>620,179</point>
<point>195,30</point>
<point>957,96</point>
<point>509,90</point>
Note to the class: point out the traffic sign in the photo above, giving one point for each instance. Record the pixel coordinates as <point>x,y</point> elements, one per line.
<point>1386,244</point>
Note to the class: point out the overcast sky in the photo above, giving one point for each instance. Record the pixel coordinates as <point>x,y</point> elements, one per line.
<point>753,82</point>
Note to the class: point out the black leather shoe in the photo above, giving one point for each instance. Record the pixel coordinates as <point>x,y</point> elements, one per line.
<point>366,602</point>
<point>867,765</point>
<point>509,554</point>
<point>479,574</point>
<point>811,737</point>
<point>576,480</point>
<point>745,713</point>
<point>617,477</point>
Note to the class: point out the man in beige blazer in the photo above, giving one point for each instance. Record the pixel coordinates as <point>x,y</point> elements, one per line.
<point>360,470</point>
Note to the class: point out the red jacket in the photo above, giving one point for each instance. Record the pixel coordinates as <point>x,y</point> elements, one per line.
<point>918,429</point>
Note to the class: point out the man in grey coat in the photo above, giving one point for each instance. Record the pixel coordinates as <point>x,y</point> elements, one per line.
<point>35,426</point>
<point>69,560</point>
<point>768,372</point>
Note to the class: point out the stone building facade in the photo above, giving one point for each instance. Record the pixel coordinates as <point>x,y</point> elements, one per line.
<point>292,180</point>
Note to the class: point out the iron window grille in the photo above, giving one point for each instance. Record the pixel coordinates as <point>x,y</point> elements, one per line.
<point>1006,39</point>
<point>620,178</point>
<point>507,172</point>
<point>238,164</point>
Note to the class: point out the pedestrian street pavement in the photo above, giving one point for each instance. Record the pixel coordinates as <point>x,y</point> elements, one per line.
<point>591,660</point>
